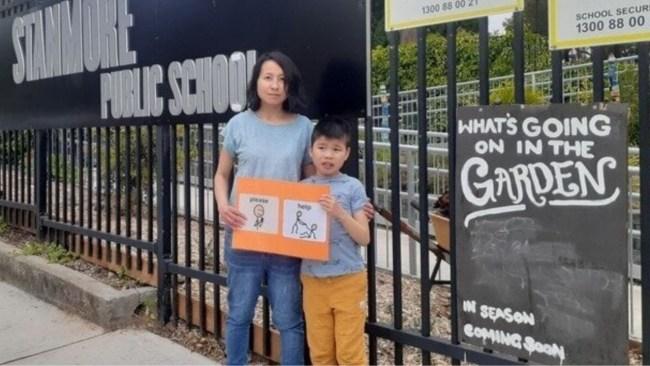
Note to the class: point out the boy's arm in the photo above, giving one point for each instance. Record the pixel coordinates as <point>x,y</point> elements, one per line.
<point>356,226</point>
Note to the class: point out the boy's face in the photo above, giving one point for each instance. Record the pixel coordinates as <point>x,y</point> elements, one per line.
<point>329,155</point>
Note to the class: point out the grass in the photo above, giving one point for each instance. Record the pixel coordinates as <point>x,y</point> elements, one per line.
<point>122,274</point>
<point>150,307</point>
<point>4,227</point>
<point>50,251</point>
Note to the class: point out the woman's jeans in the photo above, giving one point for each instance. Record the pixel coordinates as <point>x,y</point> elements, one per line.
<point>246,272</point>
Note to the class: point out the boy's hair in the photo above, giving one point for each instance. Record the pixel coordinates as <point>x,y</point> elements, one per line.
<point>295,101</point>
<point>332,128</point>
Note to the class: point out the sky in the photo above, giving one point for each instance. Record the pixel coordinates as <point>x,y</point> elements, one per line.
<point>496,22</point>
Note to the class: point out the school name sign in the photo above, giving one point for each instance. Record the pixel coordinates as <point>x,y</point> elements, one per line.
<point>574,23</point>
<point>404,14</point>
<point>93,36</point>
<point>80,62</point>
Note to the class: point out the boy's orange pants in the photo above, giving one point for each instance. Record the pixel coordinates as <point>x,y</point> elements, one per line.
<point>335,315</point>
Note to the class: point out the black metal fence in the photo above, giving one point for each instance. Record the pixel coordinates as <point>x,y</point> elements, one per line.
<point>422,338</point>
<point>123,197</point>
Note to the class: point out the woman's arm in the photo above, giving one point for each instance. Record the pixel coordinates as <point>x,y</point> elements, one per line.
<point>230,215</point>
<point>355,225</point>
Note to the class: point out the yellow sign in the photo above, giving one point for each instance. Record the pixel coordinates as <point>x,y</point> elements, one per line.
<point>580,23</point>
<point>282,218</point>
<point>404,14</point>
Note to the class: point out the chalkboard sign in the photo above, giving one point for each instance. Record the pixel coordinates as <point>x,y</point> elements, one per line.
<point>541,232</point>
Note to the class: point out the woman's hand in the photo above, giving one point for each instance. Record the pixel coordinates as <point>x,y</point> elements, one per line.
<point>369,211</point>
<point>232,217</point>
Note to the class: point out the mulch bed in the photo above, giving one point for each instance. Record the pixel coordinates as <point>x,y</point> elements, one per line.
<point>209,346</point>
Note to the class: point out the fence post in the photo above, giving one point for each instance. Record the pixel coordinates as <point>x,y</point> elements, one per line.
<point>518,57</point>
<point>597,74</point>
<point>644,151</point>
<point>410,196</point>
<point>452,104</point>
<point>423,191</point>
<point>163,245</point>
<point>394,122</point>
<point>41,181</point>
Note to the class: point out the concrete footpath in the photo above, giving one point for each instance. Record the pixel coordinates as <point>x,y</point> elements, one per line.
<point>33,332</point>
<point>56,315</point>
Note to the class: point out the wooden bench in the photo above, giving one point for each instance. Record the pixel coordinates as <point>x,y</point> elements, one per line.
<point>438,246</point>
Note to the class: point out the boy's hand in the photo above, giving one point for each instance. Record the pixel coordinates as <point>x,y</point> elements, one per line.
<point>232,217</point>
<point>331,206</point>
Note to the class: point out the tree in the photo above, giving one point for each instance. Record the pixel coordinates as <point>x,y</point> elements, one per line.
<point>536,16</point>
<point>377,24</point>
<point>467,58</point>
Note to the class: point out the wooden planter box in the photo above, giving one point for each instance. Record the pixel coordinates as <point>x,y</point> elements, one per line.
<point>441,227</point>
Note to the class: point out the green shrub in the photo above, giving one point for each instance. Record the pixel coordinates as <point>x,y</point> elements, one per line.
<point>4,227</point>
<point>50,251</point>
<point>506,95</point>
<point>537,57</point>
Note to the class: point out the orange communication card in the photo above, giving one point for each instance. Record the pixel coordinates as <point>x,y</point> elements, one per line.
<point>282,218</point>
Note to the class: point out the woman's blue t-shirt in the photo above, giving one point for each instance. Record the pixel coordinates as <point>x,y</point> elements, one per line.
<point>263,150</point>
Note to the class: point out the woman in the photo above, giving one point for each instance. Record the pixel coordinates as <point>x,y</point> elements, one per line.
<point>268,140</point>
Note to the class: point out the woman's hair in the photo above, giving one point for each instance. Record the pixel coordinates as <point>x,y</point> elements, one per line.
<point>295,101</point>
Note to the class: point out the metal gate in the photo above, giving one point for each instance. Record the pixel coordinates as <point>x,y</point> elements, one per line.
<point>421,337</point>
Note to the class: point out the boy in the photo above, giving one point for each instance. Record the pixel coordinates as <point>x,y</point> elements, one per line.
<point>334,292</point>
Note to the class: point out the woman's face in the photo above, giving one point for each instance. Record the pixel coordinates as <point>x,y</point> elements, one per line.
<point>270,85</point>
